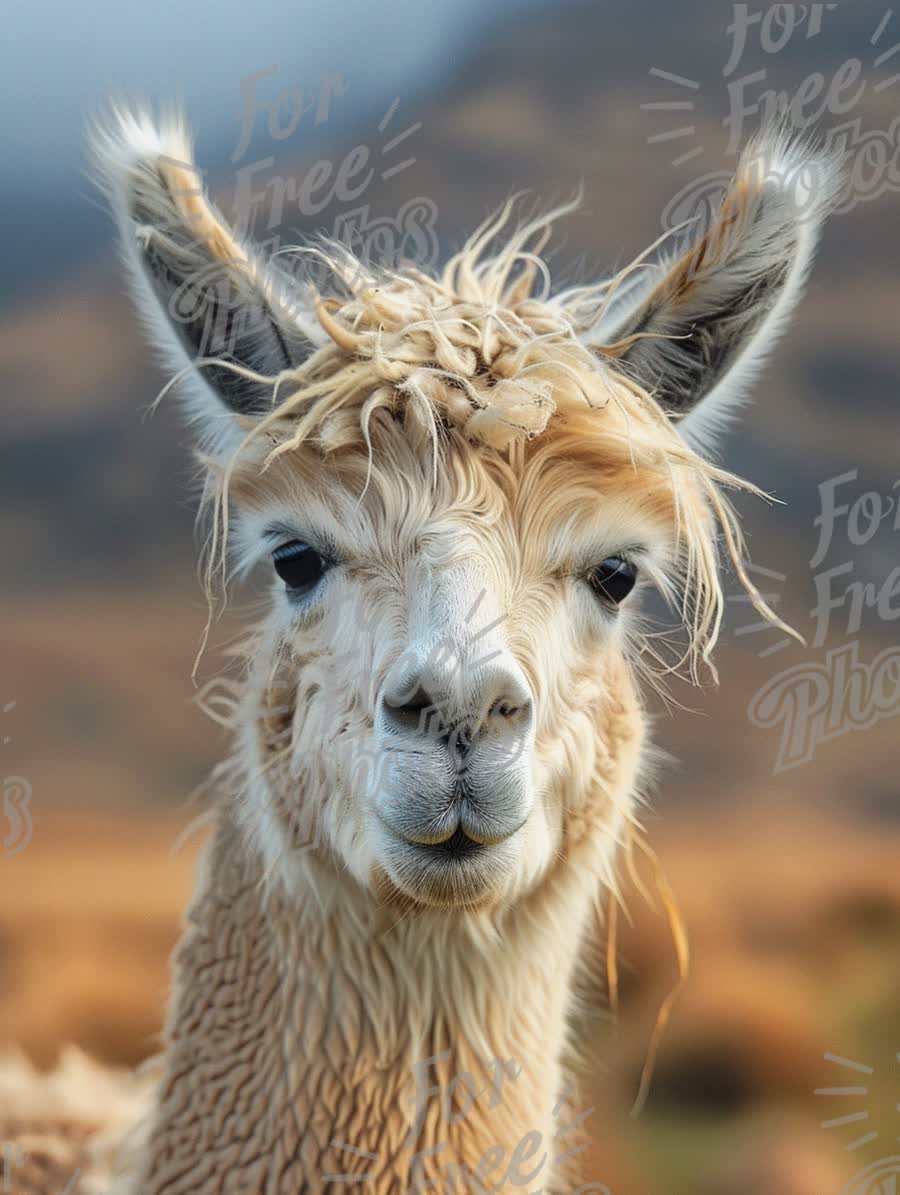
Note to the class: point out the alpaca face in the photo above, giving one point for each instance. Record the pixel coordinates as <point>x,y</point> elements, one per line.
<point>441,697</point>
<point>457,484</point>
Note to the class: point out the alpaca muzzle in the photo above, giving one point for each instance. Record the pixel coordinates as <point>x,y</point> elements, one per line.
<point>460,742</point>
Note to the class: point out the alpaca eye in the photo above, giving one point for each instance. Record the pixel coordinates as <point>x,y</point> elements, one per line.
<point>300,567</point>
<point>614,579</point>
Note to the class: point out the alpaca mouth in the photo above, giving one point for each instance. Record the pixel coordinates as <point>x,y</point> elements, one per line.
<point>457,847</point>
<point>456,872</point>
<point>459,833</point>
<point>452,845</point>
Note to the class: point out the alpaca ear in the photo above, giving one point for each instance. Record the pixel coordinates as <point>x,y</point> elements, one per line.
<point>695,330</point>
<point>205,296</point>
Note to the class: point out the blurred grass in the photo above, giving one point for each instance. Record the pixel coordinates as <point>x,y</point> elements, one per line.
<point>794,956</point>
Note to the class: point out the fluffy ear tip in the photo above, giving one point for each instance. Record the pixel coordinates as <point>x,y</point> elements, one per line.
<point>808,177</point>
<point>127,135</point>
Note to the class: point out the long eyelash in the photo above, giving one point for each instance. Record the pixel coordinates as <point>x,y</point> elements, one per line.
<point>634,554</point>
<point>320,542</point>
<point>280,550</point>
<point>635,557</point>
<point>261,544</point>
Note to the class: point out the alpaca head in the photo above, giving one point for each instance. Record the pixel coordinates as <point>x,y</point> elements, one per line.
<point>459,484</point>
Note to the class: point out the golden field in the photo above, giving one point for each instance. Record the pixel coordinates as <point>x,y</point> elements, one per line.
<point>793,957</point>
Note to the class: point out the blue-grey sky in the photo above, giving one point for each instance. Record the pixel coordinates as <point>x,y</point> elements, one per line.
<point>57,68</point>
<point>60,67</point>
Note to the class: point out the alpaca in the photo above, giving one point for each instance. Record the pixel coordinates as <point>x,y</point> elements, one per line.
<point>460,483</point>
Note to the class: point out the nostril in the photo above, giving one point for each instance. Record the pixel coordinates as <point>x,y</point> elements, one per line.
<point>414,705</point>
<point>411,707</point>
<point>416,714</point>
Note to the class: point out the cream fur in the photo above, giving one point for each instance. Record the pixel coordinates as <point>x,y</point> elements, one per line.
<point>458,444</point>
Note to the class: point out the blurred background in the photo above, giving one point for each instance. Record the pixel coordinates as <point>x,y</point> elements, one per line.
<point>787,876</point>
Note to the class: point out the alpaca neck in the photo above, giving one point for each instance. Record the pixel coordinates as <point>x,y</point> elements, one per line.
<point>310,1037</point>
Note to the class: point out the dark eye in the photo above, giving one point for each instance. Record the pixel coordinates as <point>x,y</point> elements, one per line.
<point>300,567</point>
<point>614,579</point>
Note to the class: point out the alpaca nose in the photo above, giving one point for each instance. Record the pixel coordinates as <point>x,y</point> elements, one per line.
<point>434,704</point>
